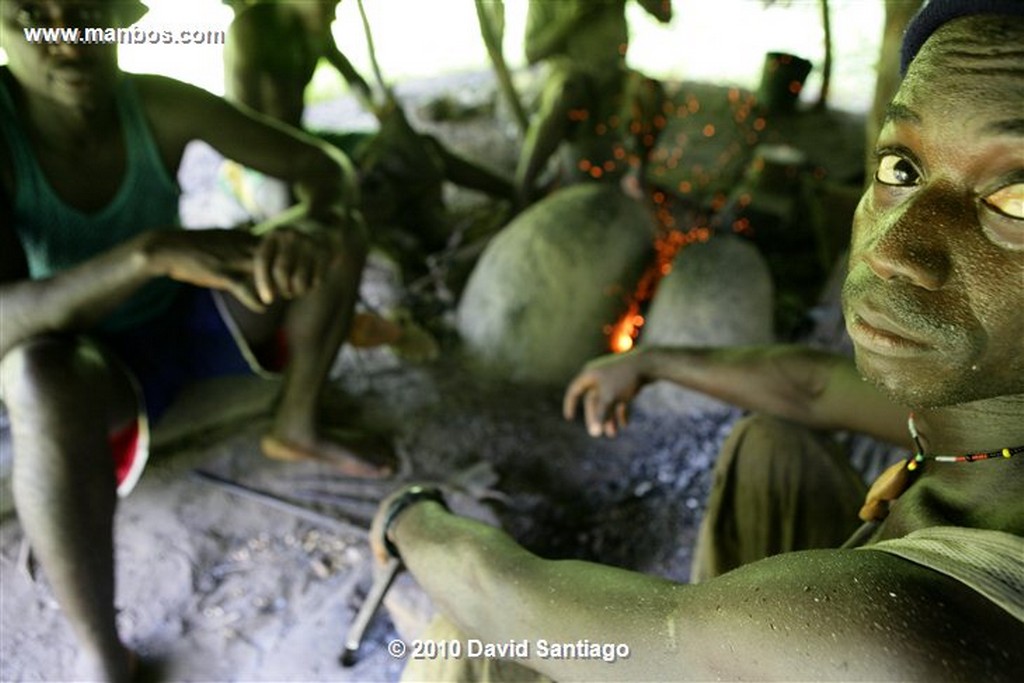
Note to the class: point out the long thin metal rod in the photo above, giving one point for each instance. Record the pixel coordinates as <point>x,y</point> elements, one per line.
<point>277,502</point>
<point>374,599</point>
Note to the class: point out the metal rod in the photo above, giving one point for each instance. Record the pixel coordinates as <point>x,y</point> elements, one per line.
<point>277,502</point>
<point>357,629</point>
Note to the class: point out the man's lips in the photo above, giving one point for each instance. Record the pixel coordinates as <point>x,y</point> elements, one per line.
<point>76,76</point>
<point>878,332</point>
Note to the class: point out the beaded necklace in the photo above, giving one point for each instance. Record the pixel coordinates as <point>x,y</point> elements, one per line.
<point>898,477</point>
<point>920,457</point>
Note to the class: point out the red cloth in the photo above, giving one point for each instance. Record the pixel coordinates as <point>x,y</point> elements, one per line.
<point>124,445</point>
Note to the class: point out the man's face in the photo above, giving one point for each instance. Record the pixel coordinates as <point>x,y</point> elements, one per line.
<point>934,298</point>
<point>78,76</point>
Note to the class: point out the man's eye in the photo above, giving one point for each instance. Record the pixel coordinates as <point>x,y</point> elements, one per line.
<point>91,14</point>
<point>896,170</point>
<point>1008,200</point>
<point>31,14</point>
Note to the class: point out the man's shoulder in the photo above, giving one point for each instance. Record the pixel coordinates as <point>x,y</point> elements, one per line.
<point>987,561</point>
<point>863,612</point>
<point>176,112</point>
<point>261,24</point>
<point>165,95</point>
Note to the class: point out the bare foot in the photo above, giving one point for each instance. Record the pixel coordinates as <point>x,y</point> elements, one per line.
<point>354,453</point>
<point>408,340</point>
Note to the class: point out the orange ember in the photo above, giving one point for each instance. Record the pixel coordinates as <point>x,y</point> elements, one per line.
<point>669,238</point>
<point>668,243</point>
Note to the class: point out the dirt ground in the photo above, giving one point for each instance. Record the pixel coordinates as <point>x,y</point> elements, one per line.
<point>221,587</point>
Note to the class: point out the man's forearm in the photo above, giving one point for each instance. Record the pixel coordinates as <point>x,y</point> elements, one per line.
<point>326,179</point>
<point>497,592</point>
<point>810,387</point>
<point>548,28</point>
<point>457,561</point>
<point>75,299</point>
<point>786,381</point>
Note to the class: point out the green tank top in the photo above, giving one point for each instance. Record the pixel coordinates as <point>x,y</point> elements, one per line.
<point>56,236</point>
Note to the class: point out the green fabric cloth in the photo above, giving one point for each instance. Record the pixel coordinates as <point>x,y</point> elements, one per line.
<point>990,562</point>
<point>56,236</point>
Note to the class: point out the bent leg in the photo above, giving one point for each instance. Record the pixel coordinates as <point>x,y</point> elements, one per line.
<point>778,487</point>
<point>563,92</point>
<point>315,327</point>
<point>63,399</point>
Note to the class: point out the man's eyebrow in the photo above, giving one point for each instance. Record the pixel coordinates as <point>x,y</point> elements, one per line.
<point>900,112</point>
<point>1006,127</point>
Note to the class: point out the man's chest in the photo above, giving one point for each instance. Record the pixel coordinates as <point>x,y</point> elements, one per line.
<point>86,177</point>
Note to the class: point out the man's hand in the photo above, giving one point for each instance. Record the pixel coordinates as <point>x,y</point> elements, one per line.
<point>215,259</point>
<point>606,386</point>
<point>290,263</point>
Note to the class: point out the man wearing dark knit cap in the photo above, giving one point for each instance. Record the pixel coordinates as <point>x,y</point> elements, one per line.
<point>931,586</point>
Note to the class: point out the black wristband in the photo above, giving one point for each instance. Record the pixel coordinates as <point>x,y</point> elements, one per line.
<point>411,496</point>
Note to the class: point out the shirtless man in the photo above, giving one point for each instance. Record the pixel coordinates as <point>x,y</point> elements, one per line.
<point>593,108</point>
<point>933,303</point>
<point>272,51</point>
<point>108,308</point>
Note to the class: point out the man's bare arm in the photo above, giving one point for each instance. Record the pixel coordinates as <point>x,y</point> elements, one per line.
<point>80,297</point>
<point>322,174</point>
<point>360,88</point>
<point>31,307</point>
<point>548,25</point>
<point>814,388</point>
<point>818,615</point>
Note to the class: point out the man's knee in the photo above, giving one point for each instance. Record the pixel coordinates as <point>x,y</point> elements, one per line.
<point>564,88</point>
<point>764,437</point>
<point>768,452</point>
<point>49,368</point>
<point>36,363</point>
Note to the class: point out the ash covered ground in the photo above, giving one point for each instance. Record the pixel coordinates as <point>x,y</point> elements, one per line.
<point>221,587</point>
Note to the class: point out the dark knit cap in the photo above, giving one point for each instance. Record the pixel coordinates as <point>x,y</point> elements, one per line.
<point>935,13</point>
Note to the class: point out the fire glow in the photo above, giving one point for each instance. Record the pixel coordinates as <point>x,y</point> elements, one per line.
<point>670,241</point>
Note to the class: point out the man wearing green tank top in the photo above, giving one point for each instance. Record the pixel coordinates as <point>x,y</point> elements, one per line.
<point>108,306</point>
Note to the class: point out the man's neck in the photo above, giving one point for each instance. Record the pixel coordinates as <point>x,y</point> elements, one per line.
<point>979,426</point>
<point>983,495</point>
<point>63,125</point>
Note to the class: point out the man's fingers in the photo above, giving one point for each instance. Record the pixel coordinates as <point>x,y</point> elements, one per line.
<point>572,395</point>
<point>593,411</point>
<point>283,268</point>
<point>246,293</point>
<point>614,419</point>
<point>308,272</point>
<point>263,262</point>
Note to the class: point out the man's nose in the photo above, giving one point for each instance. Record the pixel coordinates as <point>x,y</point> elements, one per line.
<point>911,242</point>
<point>67,50</point>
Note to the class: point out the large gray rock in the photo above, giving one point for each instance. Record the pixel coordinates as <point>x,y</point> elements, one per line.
<point>719,293</point>
<point>537,301</point>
